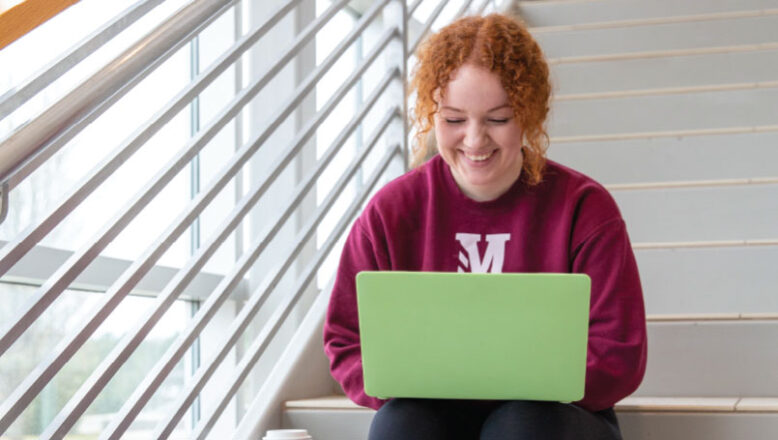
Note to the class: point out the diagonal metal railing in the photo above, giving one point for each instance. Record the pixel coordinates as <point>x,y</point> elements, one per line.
<point>26,240</point>
<point>157,375</point>
<point>38,140</point>
<point>13,99</point>
<point>26,390</point>
<point>78,262</point>
<point>260,343</point>
<point>34,143</point>
<point>271,279</point>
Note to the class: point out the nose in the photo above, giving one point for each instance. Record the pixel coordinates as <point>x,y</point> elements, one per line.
<point>475,135</point>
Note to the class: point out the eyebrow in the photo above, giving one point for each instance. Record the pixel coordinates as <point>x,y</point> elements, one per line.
<point>446,107</point>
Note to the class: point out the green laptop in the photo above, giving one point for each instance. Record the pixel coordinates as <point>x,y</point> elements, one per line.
<point>512,336</point>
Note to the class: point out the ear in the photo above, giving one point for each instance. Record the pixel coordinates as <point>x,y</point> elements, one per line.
<point>437,95</point>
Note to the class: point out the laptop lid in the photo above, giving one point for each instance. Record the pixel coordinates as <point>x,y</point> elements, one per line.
<point>474,336</point>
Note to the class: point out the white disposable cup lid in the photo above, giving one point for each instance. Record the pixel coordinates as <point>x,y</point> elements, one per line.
<point>287,434</point>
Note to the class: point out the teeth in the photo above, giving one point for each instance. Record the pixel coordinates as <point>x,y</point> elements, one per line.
<point>479,158</point>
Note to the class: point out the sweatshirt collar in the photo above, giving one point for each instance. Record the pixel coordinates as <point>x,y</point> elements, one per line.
<point>506,201</point>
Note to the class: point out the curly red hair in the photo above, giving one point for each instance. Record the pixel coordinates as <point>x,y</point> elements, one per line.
<point>503,46</point>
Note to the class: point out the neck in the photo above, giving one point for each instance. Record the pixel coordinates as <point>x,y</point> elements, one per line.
<point>484,193</point>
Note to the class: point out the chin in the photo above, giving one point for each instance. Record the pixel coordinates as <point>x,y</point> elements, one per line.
<point>479,181</point>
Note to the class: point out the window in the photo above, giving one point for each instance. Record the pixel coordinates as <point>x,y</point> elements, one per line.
<point>42,191</point>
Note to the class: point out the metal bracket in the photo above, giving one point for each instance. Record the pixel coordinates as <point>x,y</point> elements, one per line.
<point>3,202</point>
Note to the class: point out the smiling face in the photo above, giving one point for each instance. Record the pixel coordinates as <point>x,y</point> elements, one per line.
<point>478,135</point>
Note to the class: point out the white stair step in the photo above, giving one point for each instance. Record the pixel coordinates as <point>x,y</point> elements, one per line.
<point>697,404</point>
<point>757,404</point>
<point>700,214</point>
<point>660,37</point>
<point>678,404</point>
<point>664,72</point>
<point>726,156</point>
<point>711,358</point>
<point>640,419</point>
<point>666,112</point>
<point>555,13</point>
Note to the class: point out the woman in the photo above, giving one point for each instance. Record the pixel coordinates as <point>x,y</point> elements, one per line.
<point>491,202</point>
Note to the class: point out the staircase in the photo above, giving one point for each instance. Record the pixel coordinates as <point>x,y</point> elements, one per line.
<point>674,107</point>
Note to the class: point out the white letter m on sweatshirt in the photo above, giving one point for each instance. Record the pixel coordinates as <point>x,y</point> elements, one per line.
<point>493,257</point>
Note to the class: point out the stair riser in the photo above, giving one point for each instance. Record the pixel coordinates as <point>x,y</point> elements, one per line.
<point>709,280</point>
<point>700,358</point>
<point>353,425</point>
<point>728,156</point>
<point>330,424</point>
<point>664,72</point>
<point>688,111</point>
<point>679,426</point>
<point>700,214</point>
<point>565,13</point>
<point>660,37</point>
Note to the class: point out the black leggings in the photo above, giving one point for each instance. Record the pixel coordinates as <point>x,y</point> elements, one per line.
<point>430,419</point>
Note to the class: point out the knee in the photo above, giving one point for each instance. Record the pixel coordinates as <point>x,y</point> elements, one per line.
<point>399,410</point>
<point>407,419</point>
<point>527,419</point>
<point>530,409</point>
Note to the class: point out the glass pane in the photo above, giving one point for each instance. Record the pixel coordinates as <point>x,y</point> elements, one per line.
<point>327,40</point>
<point>64,317</point>
<point>43,190</point>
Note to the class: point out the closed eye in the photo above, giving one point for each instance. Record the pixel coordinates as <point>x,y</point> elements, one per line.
<point>454,121</point>
<point>498,121</point>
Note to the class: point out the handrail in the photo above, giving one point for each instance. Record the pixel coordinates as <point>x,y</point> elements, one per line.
<point>21,397</point>
<point>26,16</point>
<point>79,260</point>
<point>89,390</point>
<point>33,143</point>
<point>25,241</point>
<point>12,99</point>
<point>114,295</point>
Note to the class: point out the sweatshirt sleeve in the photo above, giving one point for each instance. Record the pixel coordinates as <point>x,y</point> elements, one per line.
<point>616,357</point>
<point>341,328</point>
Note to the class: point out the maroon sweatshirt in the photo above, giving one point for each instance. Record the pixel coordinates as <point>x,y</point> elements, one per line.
<point>568,223</point>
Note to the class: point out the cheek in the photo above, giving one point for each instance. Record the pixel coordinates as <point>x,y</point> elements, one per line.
<point>507,137</point>
<point>446,137</point>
